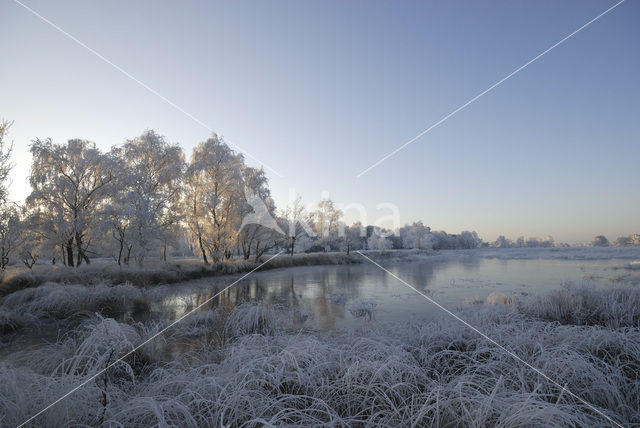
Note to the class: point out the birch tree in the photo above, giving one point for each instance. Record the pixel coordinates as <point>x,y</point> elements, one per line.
<point>354,237</point>
<point>214,199</point>
<point>261,232</point>
<point>326,225</point>
<point>295,222</point>
<point>70,186</point>
<point>153,169</point>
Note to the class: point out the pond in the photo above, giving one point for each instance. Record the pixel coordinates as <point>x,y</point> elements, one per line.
<point>332,295</point>
<point>326,298</point>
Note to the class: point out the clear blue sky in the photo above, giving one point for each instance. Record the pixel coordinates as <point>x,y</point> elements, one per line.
<point>321,90</point>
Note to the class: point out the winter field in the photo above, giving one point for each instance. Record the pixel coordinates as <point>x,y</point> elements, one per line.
<point>338,342</point>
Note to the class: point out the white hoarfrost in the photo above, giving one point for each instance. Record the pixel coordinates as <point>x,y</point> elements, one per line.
<point>411,373</point>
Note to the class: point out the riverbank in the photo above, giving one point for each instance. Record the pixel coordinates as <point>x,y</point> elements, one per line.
<point>182,270</point>
<point>155,273</point>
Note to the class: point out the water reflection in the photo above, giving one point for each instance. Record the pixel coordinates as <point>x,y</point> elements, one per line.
<point>327,292</point>
<point>331,295</point>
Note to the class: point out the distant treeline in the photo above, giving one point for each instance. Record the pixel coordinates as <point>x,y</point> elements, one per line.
<point>144,199</point>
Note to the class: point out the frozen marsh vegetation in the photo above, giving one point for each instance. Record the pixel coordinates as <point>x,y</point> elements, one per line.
<point>363,308</point>
<point>380,374</point>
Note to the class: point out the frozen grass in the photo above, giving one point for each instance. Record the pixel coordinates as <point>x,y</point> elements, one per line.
<point>612,307</point>
<point>363,308</point>
<point>338,299</point>
<point>438,374</point>
<point>499,299</point>
<point>155,273</point>
<point>53,300</point>
<point>202,322</point>
<point>250,318</point>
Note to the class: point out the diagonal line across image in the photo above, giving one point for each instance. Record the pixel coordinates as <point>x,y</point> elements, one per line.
<point>144,85</point>
<point>173,324</point>
<point>514,356</point>
<point>489,89</point>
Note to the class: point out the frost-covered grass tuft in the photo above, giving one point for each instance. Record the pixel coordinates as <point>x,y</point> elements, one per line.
<point>499,299</point>
<point>363,308</point>
<point>53,300</point>
<point>338,299</point>
<point>202,322</point>
<point>439,374</point>
<point>250,318</point>
<point>612,307</point>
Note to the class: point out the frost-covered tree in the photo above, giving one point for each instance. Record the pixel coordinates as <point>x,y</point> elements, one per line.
<point>547,242</point>
<point>259,231</point>
<point>600,241</point>
<point>622,241</point>
<point>532,242</point>
<point>354,237</point>
<point>5,162</point>
<point>294,221</point>
<point>378,241</point>
<point>326,223</point>
<point>31,244</point>
<point>627,240</point>
<point>11,231</point>
<point>465,240</point>
<point>469,239</point>
<point>415,235</point>
<point>9,220</point>
<point>150,196</point>
<point>71,184</point>
<point>120,218</point>
<point>214,198</point>
<point>502,242</point>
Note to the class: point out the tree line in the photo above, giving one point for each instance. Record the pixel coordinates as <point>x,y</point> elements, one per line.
<point>144,199</point>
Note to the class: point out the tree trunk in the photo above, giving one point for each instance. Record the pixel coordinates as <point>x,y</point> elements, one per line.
<point>5,260</point>
<point>128,257</point>
<point>70,253</point>
<point>120,252</point>
<point>79,248</point>
<point>204,253</point>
